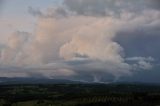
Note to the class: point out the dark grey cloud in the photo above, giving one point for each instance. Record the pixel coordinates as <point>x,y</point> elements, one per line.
<point>109,7</point>
<point>141,41</point>
<point>87,7</point>
<point>61,11</point>
<point>96,8</point>
<point>51,13</point>
<point>154,4</point>
<point>144,76</point>
<point>35,12</point>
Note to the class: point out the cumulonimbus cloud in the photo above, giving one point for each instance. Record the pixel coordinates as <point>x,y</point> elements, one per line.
<point>81,42</point>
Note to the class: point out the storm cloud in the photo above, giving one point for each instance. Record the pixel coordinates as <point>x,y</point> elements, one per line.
<point>90,38</point>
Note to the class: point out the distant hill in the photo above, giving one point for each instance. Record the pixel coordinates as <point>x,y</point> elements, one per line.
<point>8,81</point>
<point>19,80</point>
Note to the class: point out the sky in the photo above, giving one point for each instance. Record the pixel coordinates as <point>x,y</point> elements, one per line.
<point>85,40</point>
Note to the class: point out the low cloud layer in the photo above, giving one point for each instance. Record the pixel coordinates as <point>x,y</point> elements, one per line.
<point>81,38</point>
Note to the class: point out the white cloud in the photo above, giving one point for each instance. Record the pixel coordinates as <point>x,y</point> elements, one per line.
<point>142,62</point>
<point>140,59</point>
<point>15,45</point>
<point>145,65</point>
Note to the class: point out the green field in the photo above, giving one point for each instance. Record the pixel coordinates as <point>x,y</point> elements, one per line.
<point>80,95</point>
